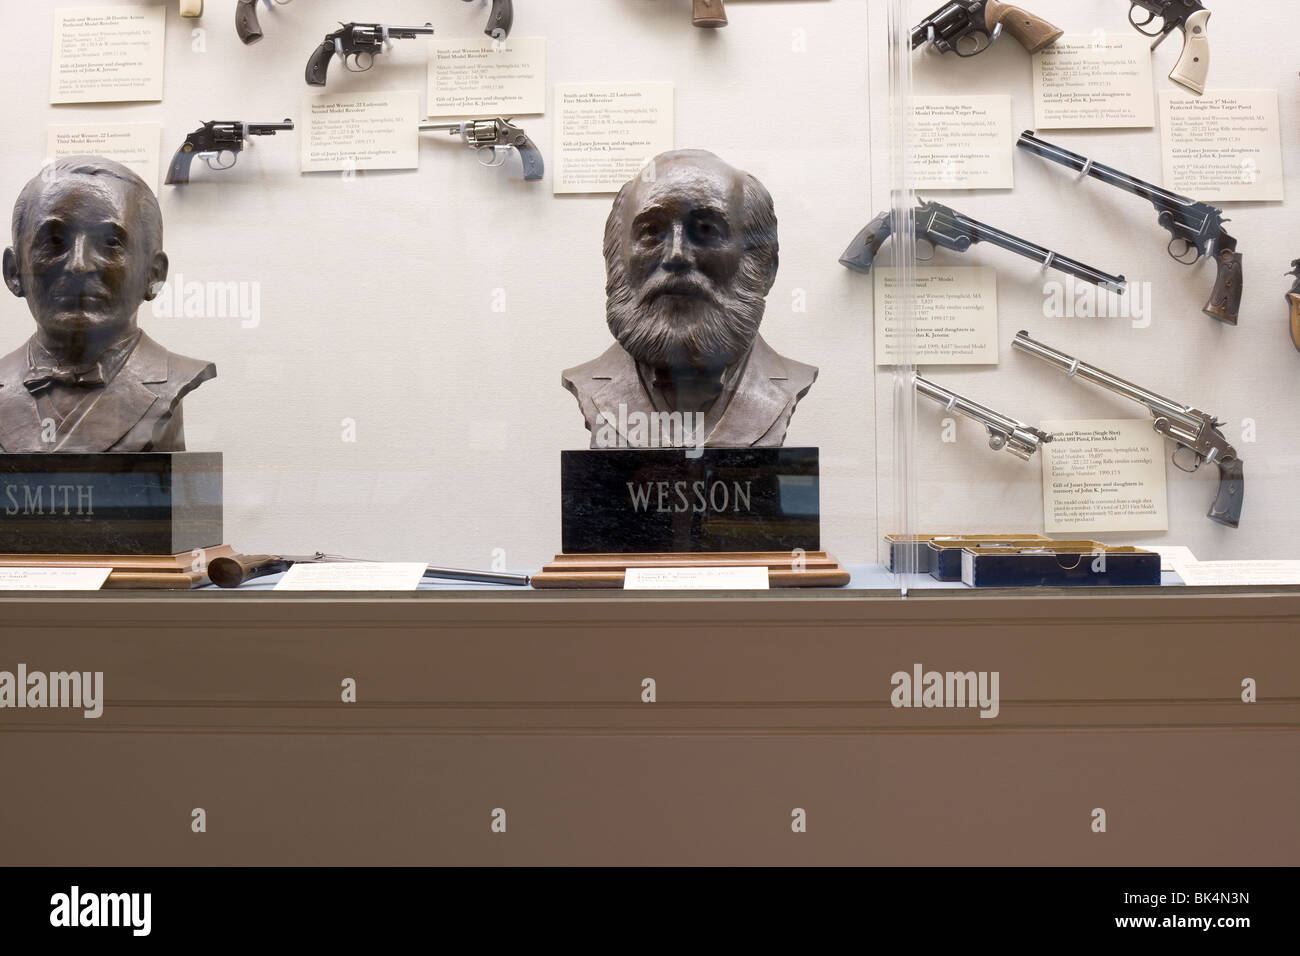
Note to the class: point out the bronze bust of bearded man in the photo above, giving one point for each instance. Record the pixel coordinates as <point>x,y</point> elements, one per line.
<point>87,252</point>
<point>690,256</point>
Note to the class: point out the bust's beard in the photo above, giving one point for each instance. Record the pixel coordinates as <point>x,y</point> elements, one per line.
<point>705,334</point>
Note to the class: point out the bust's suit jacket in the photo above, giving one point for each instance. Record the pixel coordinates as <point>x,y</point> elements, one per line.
<point>758,415</point>
<point>139,410</point>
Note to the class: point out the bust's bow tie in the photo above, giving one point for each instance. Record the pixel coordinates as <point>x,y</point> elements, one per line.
<point>42,377</point>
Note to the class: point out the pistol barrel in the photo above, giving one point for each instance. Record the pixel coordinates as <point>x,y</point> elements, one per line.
<point>267,129</point>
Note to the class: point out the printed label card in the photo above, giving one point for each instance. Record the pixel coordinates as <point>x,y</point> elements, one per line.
<point>956,316</point>
<point>1225,146</point>
<point>1098,81</point>
<point>107,54</point>
<point>1103,476</point>
<point>134,145</point>
<point>360,576</point>
<point>1204,574</point>
<point>605,133</point>
<point>354,131</point>
<point>961,142</point>
<point>482,77</point>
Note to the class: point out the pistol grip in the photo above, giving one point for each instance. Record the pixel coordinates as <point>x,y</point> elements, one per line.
<point>192,8</point>
<point>241,568</point>
<point>862,251</point>
<point>1226,509</point>
<point>1294,299</point>
<point>534,168</point>
<point>178,174</point>
<point>501,19</point>
<point>1033,33</point>
<point>246,23</point>
<point>1193,67</point>
<point>709,13</point>
<point>1225,299</point>
<point>318,67</point>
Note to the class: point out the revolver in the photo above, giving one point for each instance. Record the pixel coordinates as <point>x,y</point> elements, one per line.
<point>357,44</point>
<point>492,139</point>
<point>1192,18</point>
<point>969,27</point>
<point>218,144</point>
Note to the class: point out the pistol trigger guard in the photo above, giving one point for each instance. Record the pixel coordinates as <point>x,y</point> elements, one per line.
<point>1139,24</point>
<point>980,45</point>
<point>1195,457</point>
<point>1184,257</point>
<point>491,156</point>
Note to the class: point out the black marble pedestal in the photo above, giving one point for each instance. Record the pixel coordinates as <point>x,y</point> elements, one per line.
<point>620,501</point>
<point>146,503</point>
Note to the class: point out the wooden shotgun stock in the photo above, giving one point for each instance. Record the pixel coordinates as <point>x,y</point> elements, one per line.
<point>709,13</point>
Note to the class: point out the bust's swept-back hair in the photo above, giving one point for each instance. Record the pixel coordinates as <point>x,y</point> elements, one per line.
<point>89,166</point>
<point>758,227</point>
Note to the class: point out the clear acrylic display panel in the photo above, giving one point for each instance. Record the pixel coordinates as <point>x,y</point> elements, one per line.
<point>947,478</point>
<point>393,392</point>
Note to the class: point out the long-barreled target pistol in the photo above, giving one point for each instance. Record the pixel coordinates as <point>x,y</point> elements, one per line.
<point>1198,435</point>
<point>1005,434</point>
<point>1166,16</point>
<point>942,227</point>
<point>1196,227</point>
<point>238,570</point>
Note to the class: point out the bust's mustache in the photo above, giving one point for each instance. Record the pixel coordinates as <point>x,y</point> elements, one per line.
<point>685,286</point>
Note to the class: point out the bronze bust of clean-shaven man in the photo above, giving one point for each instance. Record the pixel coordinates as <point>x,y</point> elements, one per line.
<point>87,252</point>
<point>690,256</point>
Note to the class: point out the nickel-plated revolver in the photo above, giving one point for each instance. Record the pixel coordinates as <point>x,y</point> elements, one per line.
<point>493,139</point>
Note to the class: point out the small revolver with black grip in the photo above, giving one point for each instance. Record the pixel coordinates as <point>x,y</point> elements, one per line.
<point>217,143</point>
<point>357,45</point>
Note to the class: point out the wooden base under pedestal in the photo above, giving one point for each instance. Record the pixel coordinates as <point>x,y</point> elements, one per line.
<point>814,569</point>
<point>169,572</point>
